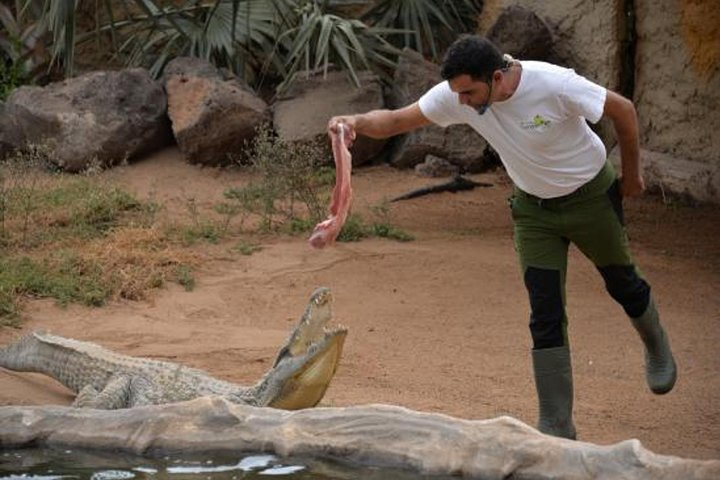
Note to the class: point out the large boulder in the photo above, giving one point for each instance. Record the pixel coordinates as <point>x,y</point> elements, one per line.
<point>302,113</point>
<point>677,177</point>
<point>535,41</point>
<point>213,117</point>
<point>459,144</point>
<point>98,118</point>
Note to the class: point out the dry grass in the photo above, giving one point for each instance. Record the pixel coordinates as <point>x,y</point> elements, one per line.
<point>137,260</point>
<point>81,239</point>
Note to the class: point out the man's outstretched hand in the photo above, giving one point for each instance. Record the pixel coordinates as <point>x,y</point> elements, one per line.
<point>349,121</point>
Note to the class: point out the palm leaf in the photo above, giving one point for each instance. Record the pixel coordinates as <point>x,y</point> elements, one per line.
<point>322,39</point>
<point>429,24</point>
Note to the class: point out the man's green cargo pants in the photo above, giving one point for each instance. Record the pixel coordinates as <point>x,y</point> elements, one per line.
<point>591,217</point>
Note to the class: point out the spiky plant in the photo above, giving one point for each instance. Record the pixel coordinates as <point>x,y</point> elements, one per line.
<point>428,25</point>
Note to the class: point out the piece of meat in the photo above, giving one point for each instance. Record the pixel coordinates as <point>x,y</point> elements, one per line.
<point>327,231</point>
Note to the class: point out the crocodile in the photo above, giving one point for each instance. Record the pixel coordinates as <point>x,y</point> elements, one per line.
<point>102,379</point>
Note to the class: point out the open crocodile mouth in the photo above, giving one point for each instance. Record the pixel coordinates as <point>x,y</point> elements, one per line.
<point>321,345</point>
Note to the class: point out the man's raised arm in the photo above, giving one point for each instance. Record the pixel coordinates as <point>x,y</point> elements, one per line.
<point>382,123</point>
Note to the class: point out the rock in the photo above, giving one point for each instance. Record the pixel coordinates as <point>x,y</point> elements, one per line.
<point>302,113</point>
<point>99,117</point>
<point>674,176</point>
<point>191,67</point>
<point>467,149</point>
<point>436,167</point>
<point>213,119</point>
<point>535,41</point>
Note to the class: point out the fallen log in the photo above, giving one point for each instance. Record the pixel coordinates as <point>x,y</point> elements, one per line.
<point>380,435</point>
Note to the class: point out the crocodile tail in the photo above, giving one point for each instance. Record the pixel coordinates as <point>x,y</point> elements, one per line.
<point>20,355</point>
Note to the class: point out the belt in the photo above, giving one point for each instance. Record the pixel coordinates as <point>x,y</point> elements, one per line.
<point>597,184</point>
<point>548,201</point>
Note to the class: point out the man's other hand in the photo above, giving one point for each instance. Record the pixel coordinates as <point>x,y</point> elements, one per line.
<point>633,186</point>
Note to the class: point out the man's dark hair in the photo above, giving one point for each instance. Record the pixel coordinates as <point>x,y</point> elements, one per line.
<point>472,55</point>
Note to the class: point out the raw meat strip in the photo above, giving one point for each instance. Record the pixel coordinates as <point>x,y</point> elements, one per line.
<point>327,231</point>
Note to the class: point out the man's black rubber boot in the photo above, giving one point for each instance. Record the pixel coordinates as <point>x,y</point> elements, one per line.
<point>554,384</point>
<point>660,367</point>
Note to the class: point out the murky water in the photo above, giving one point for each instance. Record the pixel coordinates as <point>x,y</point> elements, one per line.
<point>51,464</point>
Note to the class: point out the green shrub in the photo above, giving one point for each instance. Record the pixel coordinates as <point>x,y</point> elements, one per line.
<point>292,187</point>
<point>246,248</point>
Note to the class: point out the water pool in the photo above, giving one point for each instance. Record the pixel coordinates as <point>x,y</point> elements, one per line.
<point>57,463</point>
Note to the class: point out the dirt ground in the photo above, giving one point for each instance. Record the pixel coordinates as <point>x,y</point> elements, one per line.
<point>437,324</point>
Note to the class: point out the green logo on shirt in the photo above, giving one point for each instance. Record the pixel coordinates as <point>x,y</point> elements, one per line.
<point>538,124</point>
<point>539,121</point>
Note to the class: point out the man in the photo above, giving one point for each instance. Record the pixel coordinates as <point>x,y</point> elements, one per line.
<point>534,115</point>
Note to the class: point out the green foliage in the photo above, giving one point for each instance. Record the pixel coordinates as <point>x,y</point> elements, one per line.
<point>32,213</point>
<point>255,39</point>
<point>291,186</point>
<point>300,225</point>
<point>26,30</point>
<point>353,230</point>
<point>239,35</point>
<point>428,25</point>
<point>205,231</point>
<point>293,189</point>
<point>11,77</point>
<point>321,39</point>
<point>200,227</point>
<point>245,248</point>
<point>185,277</point>
<point>73,238</point>
<point>63,276</point>
<point>228,212</point>
<point>383,227</point>
<point>385,230</point>
<point>9,308</point>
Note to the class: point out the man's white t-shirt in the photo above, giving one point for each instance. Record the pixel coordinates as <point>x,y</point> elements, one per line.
<point>540,132</point>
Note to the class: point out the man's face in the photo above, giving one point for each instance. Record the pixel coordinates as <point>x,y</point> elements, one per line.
<point>474,93</point>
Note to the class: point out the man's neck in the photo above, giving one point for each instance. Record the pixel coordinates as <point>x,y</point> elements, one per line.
<point>513,80</point>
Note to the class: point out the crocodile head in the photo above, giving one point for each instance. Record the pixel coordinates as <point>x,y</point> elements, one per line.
<point>306,364</point>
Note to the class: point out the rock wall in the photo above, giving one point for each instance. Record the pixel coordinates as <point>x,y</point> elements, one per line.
<point>586,33</point>
<point>678,78</point>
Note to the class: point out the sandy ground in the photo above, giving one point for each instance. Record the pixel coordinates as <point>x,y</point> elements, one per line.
<point>438,324</point>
